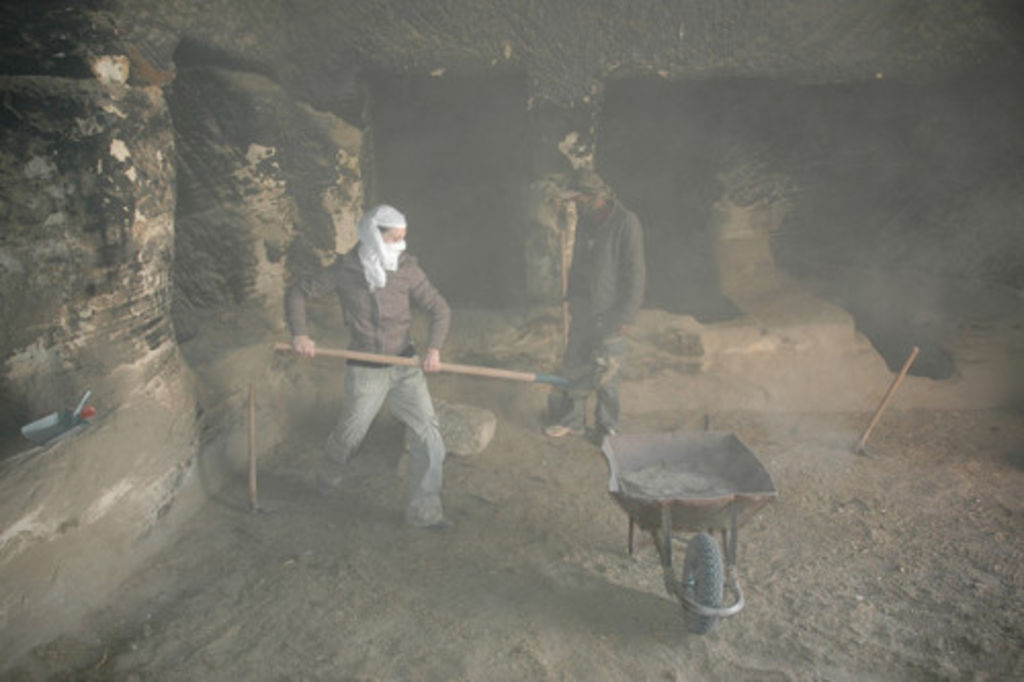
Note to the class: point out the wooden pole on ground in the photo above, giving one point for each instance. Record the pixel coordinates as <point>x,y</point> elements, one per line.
<point>254,504</point>
<point>859,448</point>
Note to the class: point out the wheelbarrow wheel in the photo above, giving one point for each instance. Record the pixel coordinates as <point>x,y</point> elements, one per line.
<point>703,581</point>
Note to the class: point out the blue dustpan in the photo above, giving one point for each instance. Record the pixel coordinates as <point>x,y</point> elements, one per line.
<point>57,424</point>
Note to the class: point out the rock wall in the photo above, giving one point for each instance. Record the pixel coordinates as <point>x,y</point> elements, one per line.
<point>88,240</point>
<point>85,266</point>
<point>267,187</point>
<point>136,206</point>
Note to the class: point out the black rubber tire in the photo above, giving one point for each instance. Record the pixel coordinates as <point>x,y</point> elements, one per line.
<point>703,581</point>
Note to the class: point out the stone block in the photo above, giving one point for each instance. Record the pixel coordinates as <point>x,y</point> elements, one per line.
<point>466,429</point>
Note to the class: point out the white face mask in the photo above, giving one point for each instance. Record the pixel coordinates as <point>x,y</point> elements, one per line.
<point>390,251</point>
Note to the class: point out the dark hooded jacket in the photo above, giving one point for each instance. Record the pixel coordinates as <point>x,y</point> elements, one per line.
<point>379,321</point>
<point>608,274</point>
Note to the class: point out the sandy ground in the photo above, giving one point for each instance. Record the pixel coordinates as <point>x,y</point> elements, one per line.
<point>904,564</point>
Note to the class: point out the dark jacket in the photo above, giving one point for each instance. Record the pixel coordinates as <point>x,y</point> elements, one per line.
<point>608,274</point>
<point>379,321</point>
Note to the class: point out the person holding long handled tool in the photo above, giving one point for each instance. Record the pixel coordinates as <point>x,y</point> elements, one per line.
<point>377,282</point>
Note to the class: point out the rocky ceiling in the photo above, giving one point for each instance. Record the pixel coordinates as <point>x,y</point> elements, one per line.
<point>570,49</point>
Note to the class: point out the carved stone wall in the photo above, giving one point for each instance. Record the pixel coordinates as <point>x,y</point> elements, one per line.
<point>85,267</point>
<point>88,240</point>
<point>267,187</point>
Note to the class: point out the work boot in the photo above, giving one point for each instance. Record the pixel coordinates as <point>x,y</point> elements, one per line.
<point>335,451</point>
<point>425,512</point>
<point>329,476</point>
<point>560,430</point>
<point>442,526</point>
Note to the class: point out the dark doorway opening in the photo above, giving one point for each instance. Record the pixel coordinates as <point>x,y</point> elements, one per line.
<point>660,146</point>
<point>907,192</point>
<point>449,152</point>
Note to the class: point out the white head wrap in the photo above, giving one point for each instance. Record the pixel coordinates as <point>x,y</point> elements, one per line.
<point>377,256</point>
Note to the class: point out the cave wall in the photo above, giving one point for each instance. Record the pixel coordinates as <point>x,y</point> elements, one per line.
<point>88,238</point>
<point>267,187</point>
<point>165,160</point>
<point>912,199</point>
<point>577,64</point>
<point>449,152</point>
<point>899,201</point>
<point>86,247</point>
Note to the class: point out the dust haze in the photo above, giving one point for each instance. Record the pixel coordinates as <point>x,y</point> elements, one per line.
<point>805,229</point>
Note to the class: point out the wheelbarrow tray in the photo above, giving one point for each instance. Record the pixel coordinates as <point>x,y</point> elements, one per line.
<point>702,477</point>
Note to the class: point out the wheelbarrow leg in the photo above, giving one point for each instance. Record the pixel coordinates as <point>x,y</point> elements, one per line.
<point>671,584</point>
<point>730,539</point>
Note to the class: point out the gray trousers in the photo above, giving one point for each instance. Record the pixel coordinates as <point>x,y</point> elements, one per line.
<point>591,364</point>
<point>405,390</point>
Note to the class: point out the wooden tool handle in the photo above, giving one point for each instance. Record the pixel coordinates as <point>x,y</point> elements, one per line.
<point>254,500</point>
<point>859,448</point>
<point>415,362</point>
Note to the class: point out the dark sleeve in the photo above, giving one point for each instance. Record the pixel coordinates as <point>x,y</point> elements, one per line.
<point>633,273</point>
<point>323,281</point>
<point>426,296</point>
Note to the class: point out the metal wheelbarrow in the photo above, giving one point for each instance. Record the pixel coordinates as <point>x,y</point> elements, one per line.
<point>691,483</point>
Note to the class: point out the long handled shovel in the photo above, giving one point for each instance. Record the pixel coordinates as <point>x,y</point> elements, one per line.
<point>474,370</point>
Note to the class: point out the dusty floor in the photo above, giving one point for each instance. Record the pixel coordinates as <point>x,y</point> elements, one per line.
<point>905,564</point>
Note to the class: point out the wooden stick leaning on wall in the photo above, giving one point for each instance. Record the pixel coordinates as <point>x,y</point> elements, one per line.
<point>568,220</point>
<point>859,448</point>
<point>565,294</point>
<point>254,503</point>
